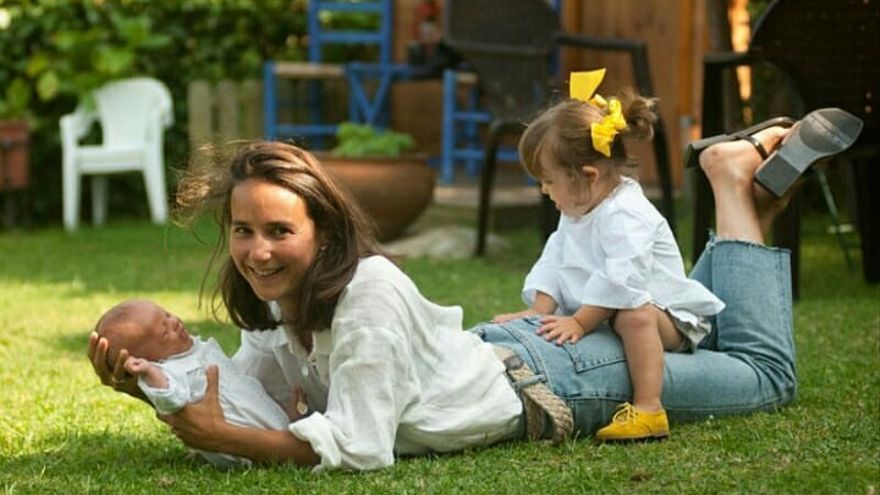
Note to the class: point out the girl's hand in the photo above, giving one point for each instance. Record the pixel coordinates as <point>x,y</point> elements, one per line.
<point>562,329</point>
<point>504,318</point>
<point>200,424</point>
<point>117,378</point>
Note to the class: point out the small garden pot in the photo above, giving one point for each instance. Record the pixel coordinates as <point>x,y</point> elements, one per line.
<point>14,148</point>
<point>393,191</point>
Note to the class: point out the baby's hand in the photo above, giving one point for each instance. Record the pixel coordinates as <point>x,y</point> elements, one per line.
<point>147,370</point>
<point>137,366</point>
<point>562,329</point>
<point>504,318</point>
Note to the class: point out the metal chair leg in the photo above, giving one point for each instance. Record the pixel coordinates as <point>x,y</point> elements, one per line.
<point>835,217</point>
<point>487,179</point>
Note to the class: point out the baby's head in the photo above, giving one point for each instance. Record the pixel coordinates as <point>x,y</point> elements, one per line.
<point>144,329</point>
<point>557,147</point>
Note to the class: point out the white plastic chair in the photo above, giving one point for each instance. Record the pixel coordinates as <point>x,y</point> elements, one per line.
<point>133,114</point>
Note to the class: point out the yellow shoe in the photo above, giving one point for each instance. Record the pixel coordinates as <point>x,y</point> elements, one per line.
<point>630,423</point>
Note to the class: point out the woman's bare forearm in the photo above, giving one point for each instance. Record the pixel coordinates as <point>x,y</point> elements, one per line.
<point>266,446</point>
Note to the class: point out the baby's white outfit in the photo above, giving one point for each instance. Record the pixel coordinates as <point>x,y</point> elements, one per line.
<point>242,397</point>
<point>621,255</point>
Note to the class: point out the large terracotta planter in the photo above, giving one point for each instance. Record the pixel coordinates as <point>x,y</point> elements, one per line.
<point>14,148</point>
<point>394,191</point>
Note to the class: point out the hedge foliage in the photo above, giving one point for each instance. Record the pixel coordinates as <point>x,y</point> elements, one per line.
<point>56,51</point>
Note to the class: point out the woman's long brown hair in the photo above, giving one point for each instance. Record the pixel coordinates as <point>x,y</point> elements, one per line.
<point>342,230</point>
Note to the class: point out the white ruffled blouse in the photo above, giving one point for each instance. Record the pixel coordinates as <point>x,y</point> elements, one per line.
<point>620,255</point>
<point>395,374</point>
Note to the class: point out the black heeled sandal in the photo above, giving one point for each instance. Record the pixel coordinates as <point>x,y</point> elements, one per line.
<point>692,153</point>
<point>820,134</point>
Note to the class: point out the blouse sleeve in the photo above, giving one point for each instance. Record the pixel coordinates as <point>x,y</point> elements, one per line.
<point>170,399</point>
<point>544,275</point>
<point>627,241</point>
<point>370,387</point>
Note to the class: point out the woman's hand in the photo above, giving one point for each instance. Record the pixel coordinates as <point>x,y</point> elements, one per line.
<point>117,377</point>
<point>199,425</point>
<point>504,318</point>
<point>562,329</point>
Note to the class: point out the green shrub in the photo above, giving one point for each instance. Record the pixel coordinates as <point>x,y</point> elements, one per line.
<point>56,52</point>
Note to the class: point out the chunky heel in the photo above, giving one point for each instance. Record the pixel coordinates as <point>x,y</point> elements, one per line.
<point>820,134</point>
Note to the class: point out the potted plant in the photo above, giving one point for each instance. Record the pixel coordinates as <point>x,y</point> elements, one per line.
<point>14,136</point>
<point>390,184</point>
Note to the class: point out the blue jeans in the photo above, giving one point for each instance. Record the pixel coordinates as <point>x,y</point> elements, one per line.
<point>746,364</point>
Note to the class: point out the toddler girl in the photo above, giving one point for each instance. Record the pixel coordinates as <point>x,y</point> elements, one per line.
<point>613,256</point>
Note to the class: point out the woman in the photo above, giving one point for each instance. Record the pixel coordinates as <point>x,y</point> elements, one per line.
<point>387,371</point>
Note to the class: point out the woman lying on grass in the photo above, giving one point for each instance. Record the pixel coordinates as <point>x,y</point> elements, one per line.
<point>388,372</point>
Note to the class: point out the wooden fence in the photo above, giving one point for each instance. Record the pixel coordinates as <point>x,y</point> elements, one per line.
<point>223,112</point>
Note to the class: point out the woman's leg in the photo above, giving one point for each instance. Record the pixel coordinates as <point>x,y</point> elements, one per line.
<point>744,209</point>
<point>753,335</point>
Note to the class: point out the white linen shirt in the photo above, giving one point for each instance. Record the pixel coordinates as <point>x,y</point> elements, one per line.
<point>397,375</point>
<point>620,255</point>
<point>242,398</point>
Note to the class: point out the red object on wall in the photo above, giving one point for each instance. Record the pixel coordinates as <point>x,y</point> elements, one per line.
<point>427,11</point>
<point>14,159</point>
<point>426,31</point>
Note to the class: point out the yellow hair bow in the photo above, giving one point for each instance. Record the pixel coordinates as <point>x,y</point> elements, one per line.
<point>582,86</point>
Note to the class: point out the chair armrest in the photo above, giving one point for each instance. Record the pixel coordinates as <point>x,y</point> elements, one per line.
<point>496,49</point>
<point>156,123</point>
<point>597,42</point>
<point>728,59</point>
<point>637,50</point>
<point>714,65</point>
<point>167,114</point>
<point>76,125</point>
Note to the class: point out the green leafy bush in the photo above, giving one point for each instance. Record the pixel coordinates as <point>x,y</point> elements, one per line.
<point>55,52</point>
<point>361,140</point>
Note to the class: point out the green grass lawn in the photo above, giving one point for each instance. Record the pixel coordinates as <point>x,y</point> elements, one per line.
<point>61,432</point>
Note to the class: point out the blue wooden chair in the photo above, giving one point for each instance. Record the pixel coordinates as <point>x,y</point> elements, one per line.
<point>317,70</point>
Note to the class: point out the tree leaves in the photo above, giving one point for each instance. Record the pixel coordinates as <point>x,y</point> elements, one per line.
<point>18,97</point>
<point>47,85</point>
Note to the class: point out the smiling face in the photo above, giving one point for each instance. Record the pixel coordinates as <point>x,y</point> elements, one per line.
<point>272,240</point>
<point>145,330</point>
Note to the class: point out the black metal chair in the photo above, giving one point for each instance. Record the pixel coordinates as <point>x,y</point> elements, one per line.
<point>830,53</point>
<point>510,45</point>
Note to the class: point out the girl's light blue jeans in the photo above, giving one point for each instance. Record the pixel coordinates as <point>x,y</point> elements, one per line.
<point>746,364</point>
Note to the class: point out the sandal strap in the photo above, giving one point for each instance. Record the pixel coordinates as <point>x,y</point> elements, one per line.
<point>757,144</point>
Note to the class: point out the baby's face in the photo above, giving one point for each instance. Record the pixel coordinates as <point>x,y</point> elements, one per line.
<point>151,332</point>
